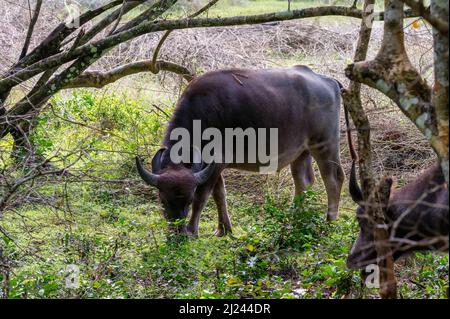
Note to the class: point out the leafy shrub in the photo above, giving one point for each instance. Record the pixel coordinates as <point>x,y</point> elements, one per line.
<point>107,129</point>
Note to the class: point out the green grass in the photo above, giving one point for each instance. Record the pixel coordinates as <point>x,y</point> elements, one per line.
<point>227,8</point>
<point>249,7</point>
<point>278,250</point>
<point>272,254</point>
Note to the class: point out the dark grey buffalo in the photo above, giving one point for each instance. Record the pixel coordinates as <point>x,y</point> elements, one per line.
<point>304,106</point>
<point>417,217</point>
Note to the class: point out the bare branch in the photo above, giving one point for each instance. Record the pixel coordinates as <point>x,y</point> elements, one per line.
<point>52,43</point>
<point>420,9</point>
<point>118,19</point>
<point>21,111</point>
<point>101,46</point>
<point>113,16</point>
<point>352,101</point>
<point>156,9</point>
<point>166,35</point>
<point>33,21</point>
<point>100,79</point>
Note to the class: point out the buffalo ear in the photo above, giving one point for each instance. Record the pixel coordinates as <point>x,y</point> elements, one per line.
<point>393,184</point>
<point>156,161</point>
<point>202,176</point>
<point>389,186</point>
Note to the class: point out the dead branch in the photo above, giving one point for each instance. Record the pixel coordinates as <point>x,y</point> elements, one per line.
<point>119,18</point>
<point>113,16</point>
<point>155,10</point>
<point>33,21</point>
<point>22,110</point>
<point>51,44</point>
<point>439,23</point>
<point>100,79</point>
<point>166,35</point>
<point>101,46</point>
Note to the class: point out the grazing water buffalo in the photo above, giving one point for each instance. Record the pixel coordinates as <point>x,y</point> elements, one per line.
<point>416,214</point>
<point>302,105</point>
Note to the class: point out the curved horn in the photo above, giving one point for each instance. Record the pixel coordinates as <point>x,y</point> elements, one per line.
<point>148,177</point>
<point>355,190</point>
<point>205,173</point>
<point>156,161</point>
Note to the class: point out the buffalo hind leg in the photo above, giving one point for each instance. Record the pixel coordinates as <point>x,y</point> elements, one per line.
<point>332,175</point>
<point>302,172</point>
<point>219,195</point>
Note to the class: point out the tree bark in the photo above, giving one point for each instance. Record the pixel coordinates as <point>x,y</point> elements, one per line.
<point>439,9</point>
<point>100,79</point>
<point>376,198</point>
<point>392,73</point>
<point>352,100</point>
<point>376,209</point>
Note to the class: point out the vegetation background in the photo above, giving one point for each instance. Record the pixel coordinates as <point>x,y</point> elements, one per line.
<point>103,219</point>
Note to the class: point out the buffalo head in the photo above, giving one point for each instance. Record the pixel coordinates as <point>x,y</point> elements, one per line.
<point>176,184</point>
<point>363,251</point>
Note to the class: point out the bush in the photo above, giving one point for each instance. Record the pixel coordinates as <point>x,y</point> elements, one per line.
<point>108,131</point>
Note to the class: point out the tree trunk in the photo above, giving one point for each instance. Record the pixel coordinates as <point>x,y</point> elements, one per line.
<point>352,100</point>
<point>439,9</point>
<point>375,197</point>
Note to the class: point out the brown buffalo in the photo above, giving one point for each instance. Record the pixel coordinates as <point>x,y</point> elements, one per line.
<point>304,106</point>
<point>417,218</point>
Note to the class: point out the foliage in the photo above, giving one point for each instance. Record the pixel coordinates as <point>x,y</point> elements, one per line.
<point>103,126</point>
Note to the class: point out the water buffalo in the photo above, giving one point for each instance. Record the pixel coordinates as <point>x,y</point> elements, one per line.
<point>416,215</point>
<point>302,105</point>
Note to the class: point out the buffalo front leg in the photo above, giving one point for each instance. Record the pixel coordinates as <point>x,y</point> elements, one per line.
<point>201,196</point>
<point>332,174</point>
<point>219,195</point>
<point>302,172</point>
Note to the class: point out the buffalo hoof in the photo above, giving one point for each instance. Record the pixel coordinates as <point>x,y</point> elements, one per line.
<point>331,216</point>
<point>192,232</point>
<point>222,231</point>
